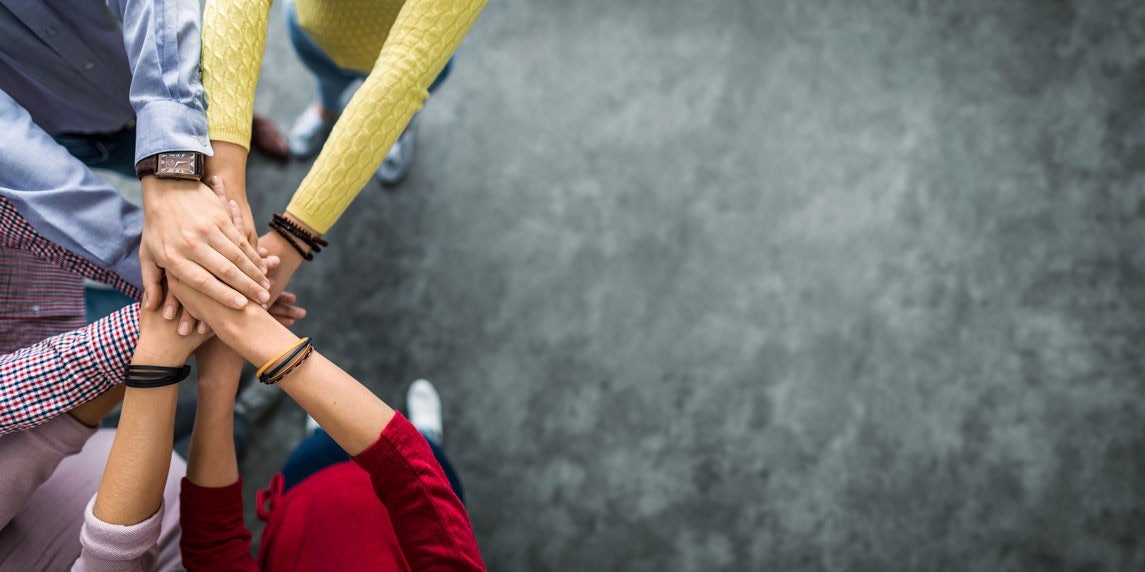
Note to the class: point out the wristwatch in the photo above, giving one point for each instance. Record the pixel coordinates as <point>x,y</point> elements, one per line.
<point>174,165</point>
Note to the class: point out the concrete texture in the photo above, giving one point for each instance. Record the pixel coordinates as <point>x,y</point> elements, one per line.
<point>763,285</point>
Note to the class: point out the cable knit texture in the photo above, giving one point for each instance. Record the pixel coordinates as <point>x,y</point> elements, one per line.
<point>403,46</point>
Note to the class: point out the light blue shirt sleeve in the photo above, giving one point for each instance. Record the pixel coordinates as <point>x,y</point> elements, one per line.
<point>162,40</point>
<point>63,200</point>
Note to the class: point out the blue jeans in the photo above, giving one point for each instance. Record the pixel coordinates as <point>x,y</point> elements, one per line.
<point>111,151</point>
<point>333,81</point>
<point>320,451</point>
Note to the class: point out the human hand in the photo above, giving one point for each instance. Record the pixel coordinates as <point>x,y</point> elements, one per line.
<point>159,341</point>
<point>189,234</point>
<point>285,311</point>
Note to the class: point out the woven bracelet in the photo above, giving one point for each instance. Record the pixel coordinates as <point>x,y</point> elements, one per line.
<point>151,376</point>
<point>290,366</point>
<point>274,370</point>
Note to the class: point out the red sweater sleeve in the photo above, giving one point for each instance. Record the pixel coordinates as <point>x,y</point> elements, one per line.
<point>430,522</point>
<point>214,536</point>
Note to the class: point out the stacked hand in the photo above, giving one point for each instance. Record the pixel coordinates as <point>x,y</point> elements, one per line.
<point>190,235</point>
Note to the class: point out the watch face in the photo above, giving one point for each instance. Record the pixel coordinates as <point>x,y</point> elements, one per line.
<point>177,164</point>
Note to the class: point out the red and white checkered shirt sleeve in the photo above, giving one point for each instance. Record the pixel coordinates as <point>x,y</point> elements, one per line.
<point>43,381</point>
<point>59,373</point>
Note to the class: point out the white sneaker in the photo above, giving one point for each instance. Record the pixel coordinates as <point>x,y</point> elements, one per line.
<point>309,133</point>
<point>424,407</point>
<point>398,161</point>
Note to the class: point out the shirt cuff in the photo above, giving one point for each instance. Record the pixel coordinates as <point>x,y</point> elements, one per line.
<point>163,126</point>
<point>117,542</point>
<point>208,503</point>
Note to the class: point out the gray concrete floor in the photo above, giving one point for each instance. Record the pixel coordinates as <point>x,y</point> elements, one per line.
<point>763,285</point>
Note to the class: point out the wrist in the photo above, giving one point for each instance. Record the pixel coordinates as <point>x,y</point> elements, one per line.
<point>294,219</point>
<point>153,352</point>
<point>280,245</point>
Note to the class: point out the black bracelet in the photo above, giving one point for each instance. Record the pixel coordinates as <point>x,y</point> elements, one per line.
<point>281,229</point>
<point>314,241</point>
<point>150,376</point>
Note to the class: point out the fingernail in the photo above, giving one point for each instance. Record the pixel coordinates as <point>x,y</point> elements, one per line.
<point>215,180</point>
<point>184,329</point>
<point>202,328</point>
<point>240,302</point>
<point>264,296</point>
<point>265,283</point>
<point>262,268</point>
<point>169,313</point>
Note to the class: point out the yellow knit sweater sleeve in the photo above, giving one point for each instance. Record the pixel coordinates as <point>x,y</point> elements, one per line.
<point>422,39</point>
<point>234,36</point>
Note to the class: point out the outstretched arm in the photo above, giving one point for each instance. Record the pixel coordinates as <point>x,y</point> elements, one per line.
<point>432,526</point>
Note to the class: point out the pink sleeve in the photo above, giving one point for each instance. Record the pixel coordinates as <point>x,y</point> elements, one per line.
<point>43,381</point>
<point>431,523</point>
<point>114,547</point>
<point>29,457</point>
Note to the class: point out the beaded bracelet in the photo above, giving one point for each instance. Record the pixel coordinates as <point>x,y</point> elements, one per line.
<point>281,230</point>
<point>278,368</point>
<point>291,231</point>
<point>314,241</point>
<point>150,376</point>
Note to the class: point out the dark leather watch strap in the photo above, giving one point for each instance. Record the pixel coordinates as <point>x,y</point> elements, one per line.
<point>188,165</point>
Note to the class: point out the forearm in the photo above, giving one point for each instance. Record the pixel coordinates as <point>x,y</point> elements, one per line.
<point>28,458</point>
<point>132,486</point>
<point>48,199</point>
<point>347,410</point>
<point>423,38</point>
<point>162,41</point>
<point>212,461</point>
<point>64,371</point>
<point>234,37</point>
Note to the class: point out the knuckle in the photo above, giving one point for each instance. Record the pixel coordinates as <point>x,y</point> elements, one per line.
<point>227,271</point>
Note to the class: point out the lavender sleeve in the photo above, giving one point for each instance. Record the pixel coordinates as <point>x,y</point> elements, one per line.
<point>28,458</point>
<point>114,547</point>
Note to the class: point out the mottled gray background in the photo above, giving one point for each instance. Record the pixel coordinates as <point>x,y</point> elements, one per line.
<point>763,285</point>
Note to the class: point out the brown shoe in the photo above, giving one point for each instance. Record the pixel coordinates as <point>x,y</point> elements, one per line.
<point>267,138</point>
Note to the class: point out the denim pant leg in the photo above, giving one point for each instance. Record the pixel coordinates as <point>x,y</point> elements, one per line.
<point>320,451</point>
<point>111,151</point>
<point>333,81</point>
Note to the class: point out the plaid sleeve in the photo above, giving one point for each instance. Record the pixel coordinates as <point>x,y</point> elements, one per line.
<point>58,374</point>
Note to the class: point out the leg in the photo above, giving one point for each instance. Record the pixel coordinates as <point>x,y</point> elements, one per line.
<point>332,80</point>
<point>311,456</point>
<point>399,159</point>
<point>447,468</point>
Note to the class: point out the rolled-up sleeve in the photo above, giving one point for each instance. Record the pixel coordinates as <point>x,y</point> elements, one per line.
<point>163,42</point>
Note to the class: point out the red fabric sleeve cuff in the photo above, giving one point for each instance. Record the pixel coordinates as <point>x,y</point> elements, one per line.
<point>209,503</point>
